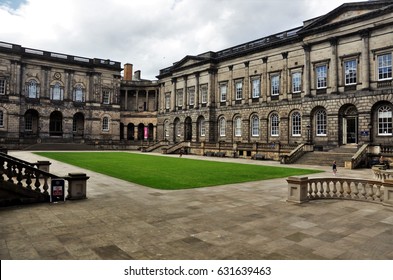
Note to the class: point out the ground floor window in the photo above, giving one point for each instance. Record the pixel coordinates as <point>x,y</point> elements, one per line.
<point>385,120</point>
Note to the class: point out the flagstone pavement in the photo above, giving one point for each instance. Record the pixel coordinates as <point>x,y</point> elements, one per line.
<point>125,221</point>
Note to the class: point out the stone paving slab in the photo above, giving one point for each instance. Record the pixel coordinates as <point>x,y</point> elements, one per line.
<point>121,220</point>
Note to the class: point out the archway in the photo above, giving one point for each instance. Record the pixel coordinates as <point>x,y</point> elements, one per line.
<point>141,131</point>
<point>188,129</point>
<point>56,124</point>
<point>78,124</point>
<point>130,132</point>
<point>31,123</point>
<point>349,119</point>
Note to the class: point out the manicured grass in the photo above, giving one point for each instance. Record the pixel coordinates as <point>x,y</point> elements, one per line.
<point>169,172</point>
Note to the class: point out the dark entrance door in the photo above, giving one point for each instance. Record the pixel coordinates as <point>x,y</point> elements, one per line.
<point>351,130</point>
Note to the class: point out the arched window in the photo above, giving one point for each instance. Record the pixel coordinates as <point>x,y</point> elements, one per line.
<point>385,120</point>
<point>222,126</point>
<point>321,122</point>
<point>202,127</point>
<point>32,89</point>
<point>78,94</point>
<point>166,130</point>
<point>274,128</point>
<point>105,124</point>
<point>238,126</point>
<point>1,119</point>
<point>255,126</point>
<point>296,124</point>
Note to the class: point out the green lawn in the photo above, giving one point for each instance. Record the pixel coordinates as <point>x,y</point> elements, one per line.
<point>171,173</point>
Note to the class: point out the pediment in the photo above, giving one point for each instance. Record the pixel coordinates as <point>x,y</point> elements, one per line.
<point>188,61</point>
<point>346,13</point>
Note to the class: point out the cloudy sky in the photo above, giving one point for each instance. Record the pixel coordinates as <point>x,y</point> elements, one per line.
<point>150,34</point>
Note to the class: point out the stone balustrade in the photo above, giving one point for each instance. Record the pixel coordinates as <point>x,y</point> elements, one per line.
<point>304,189</point>
<point>382,174</point>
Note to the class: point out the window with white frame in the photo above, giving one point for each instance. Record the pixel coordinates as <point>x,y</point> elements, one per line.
<point>321,73</point>
<point>296,82</point>
<point>1,119</point>
<point>321,122</point>
<point>191,95</point>
<point>178,129</point>
<point>78,94</point>
<point>275,125</point>
<point>106,96</point>
<point>105,124</point>
<point>256,88</point>
<point>167,101</point>
<point>56,92</point>
<point>222,126</point>
<point>32,89</point>
<point>385,120</point>
<point>202,127</point>
<point>204,94</point>
<point>239,90</point>
<point>275,85</point>
<point>255,126</point>
<point>2,86</point>
<point>238,126</point>
<point>223,92</point>
<point>385,67</point>
<point>350,72</point>
<point>296,124</point>
<point>179,98</point>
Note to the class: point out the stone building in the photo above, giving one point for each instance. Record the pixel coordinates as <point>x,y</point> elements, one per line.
<point>328,82</point>
<point>52,97</point>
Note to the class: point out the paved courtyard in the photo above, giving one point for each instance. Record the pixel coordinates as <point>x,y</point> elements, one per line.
<point>121,220</point>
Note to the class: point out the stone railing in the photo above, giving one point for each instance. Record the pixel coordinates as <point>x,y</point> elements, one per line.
<point>304,189</point>
<point>294,155</point>
<point>382,174</point>
<point>359,156</point>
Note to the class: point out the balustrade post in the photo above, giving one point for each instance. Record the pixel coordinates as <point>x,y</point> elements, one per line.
<point>297,189</point>
<point>388,193</point>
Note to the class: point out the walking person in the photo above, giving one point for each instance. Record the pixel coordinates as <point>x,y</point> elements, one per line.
<point>334,167</point>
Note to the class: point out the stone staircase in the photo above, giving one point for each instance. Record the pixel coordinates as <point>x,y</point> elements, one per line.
<point>326,158</point>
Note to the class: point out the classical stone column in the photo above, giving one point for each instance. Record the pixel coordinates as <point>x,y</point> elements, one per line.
<point>334,66</point>
<point>265,80</point>
<point>231,96</point>
<point>197,93</point>
<point>147,100</point>
<point>284,84</point>
<point>185,93</point>
<point>247,96</point>
<point>137,100</point>
<point>307,70</point>
<point>126,100</point>
<point>173,95</point>
<point>365,34</point>
<point>211,98</point>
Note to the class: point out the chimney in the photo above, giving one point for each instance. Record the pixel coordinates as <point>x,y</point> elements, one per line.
<point>137,75</point>
<point>128,72</point>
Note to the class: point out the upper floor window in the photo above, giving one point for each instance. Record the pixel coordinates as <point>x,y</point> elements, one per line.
<point>191,95</point>
<point>56,92</point>
<point>79,96</point>
<point>2,86</point>
<point>105,124</point>
<point>385,66</point>
<point>1,119</point>
<point>350,72</point>
<point>256,88</point>
<point>255,126</point>
<point>222,126</point>
<point>275,85</point>
<point>238,126</point>
<point>179,98</point>
<point>223,92</point>
<point>32,89</point>
<point>296,82</point>
<point>167,101</point>
<point>321,122</point>
<point>239,90</point>
<point>204,94</point>
<point>106,97</point>
<point>385,120</point>
<point>274,128</point>
<point>321,72</point>
<point>296,124</point>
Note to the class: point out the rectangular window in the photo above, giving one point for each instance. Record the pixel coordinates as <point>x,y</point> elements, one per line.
<point>203,129</point>
<point>239,90</point>
<point>350,72</point>
<point>28,122</point>
<point>74,125</point>
<point>179,98</point>
<point>191,95</point>
<point>385,67</point>
<point>296,82</point>
<point>167,101</point>
<point>256,88</point>
<point>275,84</point>
<point>223,93</point>
<point>105,97</point>
<point>321,72</point>
<point>2,86</point>
<point>105,124</point>
<point>204,94</point>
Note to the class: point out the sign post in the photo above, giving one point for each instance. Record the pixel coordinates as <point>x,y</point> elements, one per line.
<point>57,190</point>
